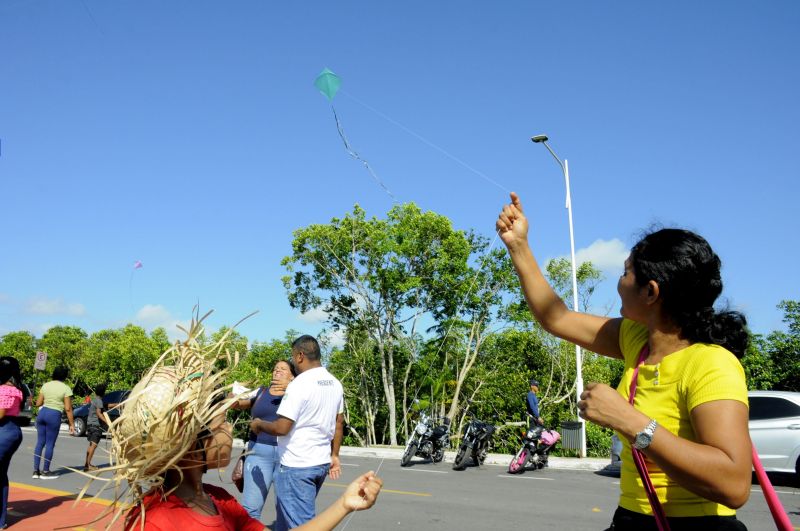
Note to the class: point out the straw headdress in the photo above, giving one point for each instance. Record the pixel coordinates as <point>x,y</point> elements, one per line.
<point>165,413</point>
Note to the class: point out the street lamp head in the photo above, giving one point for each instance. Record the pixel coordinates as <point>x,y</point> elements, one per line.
<point>539,138</point>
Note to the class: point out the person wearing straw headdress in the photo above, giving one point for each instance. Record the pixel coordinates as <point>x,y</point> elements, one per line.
<point>172,429</point>
<point>309,429</point>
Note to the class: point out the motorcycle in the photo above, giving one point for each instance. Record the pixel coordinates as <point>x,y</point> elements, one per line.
<point>427,441</point>
<point>536,445</point>
<point>477,436</point>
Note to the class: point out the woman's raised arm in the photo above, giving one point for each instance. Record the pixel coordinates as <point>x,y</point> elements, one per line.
<point>598,334</point>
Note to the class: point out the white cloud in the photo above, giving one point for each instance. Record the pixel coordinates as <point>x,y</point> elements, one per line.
<point>316,315</point>
<point>43,306</point>
<point>605,255</point>
<point>39,329</point>
<point>152,316</point>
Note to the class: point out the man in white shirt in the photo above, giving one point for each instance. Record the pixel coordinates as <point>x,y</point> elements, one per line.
<point>309,429</point>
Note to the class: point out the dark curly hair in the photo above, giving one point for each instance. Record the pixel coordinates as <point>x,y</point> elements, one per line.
<point>688,275</point>
<point>9,370</point>
<point>60,373</point>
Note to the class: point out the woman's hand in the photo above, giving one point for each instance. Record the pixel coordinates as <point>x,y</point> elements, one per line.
<point>605,406</point>
<point>280,384</point>
<point>255,426</point>
<point>512,225</point>
<point>362,492</point>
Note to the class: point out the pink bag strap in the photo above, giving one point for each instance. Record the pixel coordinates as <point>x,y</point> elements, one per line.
<point>775,507</point>
<point>638,457</point>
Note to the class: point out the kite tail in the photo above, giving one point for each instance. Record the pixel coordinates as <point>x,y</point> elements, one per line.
<point>356,156</point>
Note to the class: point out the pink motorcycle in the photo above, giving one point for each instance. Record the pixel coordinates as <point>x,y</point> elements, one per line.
<point>536,445</point>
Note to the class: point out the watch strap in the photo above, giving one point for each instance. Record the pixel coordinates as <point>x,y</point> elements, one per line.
<point>648,433</point>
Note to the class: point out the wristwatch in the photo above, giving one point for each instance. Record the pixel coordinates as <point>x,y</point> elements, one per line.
<point>645,437</point>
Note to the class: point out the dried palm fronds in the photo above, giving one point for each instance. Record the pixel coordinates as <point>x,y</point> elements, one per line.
<point>165,413</point>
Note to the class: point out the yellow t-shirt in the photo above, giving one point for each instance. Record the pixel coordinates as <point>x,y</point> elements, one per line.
<point>54,392</point>
<point>668,392</point>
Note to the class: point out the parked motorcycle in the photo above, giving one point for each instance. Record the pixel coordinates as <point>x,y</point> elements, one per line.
<point>536,445</point>
<point>427,441</point>
<point>477,436</point>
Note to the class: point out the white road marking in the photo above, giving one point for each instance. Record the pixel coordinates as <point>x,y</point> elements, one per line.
<point>757,489</point>
<point>524,477</point>
<point>429,471</point>
<point>348,464</point>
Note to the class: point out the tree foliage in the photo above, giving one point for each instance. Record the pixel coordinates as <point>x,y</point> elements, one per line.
<point>380,276</point>
<point>432,318</point>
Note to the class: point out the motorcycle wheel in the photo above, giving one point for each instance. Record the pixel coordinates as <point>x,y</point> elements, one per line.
<point>461,458</point>
<point>517,464</point>
<point>438,455</point>
<point>411,450</point>
<point>479,456</point>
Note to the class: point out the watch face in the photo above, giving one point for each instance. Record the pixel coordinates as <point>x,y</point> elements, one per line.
<point>642,440</point>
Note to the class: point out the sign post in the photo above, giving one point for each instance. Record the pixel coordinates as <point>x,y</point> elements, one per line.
<point>41,360</point>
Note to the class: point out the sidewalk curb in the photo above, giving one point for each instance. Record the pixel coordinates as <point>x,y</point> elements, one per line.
<point>593,464</point>
<point>562,463</point>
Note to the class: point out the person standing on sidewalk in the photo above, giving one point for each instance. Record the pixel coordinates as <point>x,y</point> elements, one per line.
<point>262,460</point>
<point>532,402</point>
<point>54,397</point>
<point>309,429</point>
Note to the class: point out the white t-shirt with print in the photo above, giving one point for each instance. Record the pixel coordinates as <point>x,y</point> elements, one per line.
<point>312,401</point>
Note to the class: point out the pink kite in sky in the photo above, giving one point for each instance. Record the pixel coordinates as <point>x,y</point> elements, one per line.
<point>137,264</point>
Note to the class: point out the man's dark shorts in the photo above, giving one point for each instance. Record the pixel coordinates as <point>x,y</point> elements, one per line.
<point>94,434</point>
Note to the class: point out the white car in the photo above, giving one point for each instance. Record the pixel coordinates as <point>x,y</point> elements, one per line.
<point>775,429</point>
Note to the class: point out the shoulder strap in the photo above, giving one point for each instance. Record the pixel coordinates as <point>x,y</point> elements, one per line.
<point>638,457</point>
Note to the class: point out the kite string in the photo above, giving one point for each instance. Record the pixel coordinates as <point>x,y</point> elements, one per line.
<point>130,290</point>
<point>358,157</point>
<point>427,142</point>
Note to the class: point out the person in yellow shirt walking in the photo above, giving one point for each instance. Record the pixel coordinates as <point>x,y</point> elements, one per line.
<point>54,398</point>
<point>681,408</point>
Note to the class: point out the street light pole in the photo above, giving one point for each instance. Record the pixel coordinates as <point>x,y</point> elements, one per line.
<point>542,139</point>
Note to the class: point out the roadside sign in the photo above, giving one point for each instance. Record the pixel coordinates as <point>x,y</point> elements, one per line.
<point>41,360</point>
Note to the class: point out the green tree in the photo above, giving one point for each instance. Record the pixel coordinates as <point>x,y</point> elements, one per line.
<point>65,345</point>
<point>21,345</point>
<point>379,276</point>
<point>160,338</point>
<point>356,366</point>
<point>256,363</point>
<point>783,348</point>
<point>758,366</point>
<point>118,357</point>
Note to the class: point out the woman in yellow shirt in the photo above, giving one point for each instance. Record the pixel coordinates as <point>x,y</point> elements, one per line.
<point>54,398</point>
<point>689,417</point>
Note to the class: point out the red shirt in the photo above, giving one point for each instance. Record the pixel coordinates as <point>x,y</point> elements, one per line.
<point>173,514</point>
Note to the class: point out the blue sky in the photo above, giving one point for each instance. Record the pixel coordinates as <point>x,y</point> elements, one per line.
<point>188,135</point>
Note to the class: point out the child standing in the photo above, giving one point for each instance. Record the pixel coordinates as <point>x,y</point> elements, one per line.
<point>94,425</point>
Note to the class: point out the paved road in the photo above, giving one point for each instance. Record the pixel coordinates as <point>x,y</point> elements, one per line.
<point>427,496</point>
